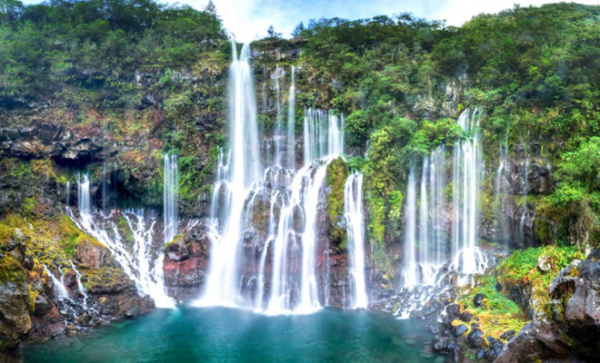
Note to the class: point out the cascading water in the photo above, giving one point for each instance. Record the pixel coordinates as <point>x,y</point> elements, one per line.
<point>291,140</point>
<point>266,242</point>
<point>80,285</point>
<point>355,227</point>
<point>467,170</point>
<point>60,291</point>
<point>410,271</point>
<point>278,137</point>
<point>139,262</point>
<point>426,247</point>
<point>238,177</point>
<point>170,197</point>
<point>501,221</point>
<point>525,192</point>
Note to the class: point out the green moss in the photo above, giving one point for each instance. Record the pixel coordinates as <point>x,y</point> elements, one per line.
<point>177,239</point>
<point>522,264</point>
<point>498,313</point>
<point>32,296</point>
<point>11,269</point>
<point>105,278</point>
<point>71,236</point>
<point>337,172</point>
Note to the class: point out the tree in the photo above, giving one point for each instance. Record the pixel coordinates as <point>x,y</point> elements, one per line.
<point>211,8</point>
<point>298,30</point>
<point>272,34</point>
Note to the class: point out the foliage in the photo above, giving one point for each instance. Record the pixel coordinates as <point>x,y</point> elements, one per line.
<point>83,42</point>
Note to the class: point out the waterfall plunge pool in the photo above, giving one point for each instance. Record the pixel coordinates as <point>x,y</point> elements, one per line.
<point>232,335</point>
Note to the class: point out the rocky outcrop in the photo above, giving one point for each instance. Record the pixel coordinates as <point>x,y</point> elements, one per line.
<point>34,308</point>
<point>569,328</point>
<point>49,139</point>
<point>186,263</point>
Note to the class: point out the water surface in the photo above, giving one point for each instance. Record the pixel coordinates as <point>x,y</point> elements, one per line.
<point>230,335</point>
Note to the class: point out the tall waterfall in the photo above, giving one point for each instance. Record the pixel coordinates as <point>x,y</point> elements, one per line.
<point>291,140</point>
<point>279,129</point>
<point>467,169</point>
<point>411,268</point>
<point>355,227</point>
<point>426,244</point>
<point>501,189</point>
<point>170,197</point>
<point>138,261</point>
<point>266,241</point>
<point>239,174</point>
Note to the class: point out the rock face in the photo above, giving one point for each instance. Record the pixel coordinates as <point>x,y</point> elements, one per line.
<point>15,321</point>
<point>186,263</point>
<point>570,329</point>
<point>43,139</point>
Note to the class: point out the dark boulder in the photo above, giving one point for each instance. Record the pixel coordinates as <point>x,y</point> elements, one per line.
<point>459,330</point>
<point>475,339</point>
<point>478,300</point>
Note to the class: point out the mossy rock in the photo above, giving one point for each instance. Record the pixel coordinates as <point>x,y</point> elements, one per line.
<point>337,172</point>
<point>106,280</point>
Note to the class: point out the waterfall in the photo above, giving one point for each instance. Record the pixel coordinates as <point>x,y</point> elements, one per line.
<point>501,221</point>
<point>437,205</point>
<point>525,192</point>
<point>410,271</point>
<point>68,192</point>
<point>269,252</point>
<point>237,179</point>
<point>291,147</point>
<point>355,227</point>
<point>467,171</point>
<point>170,197</point>
<point>80,285</point>
<point>104,188</point>
<point>426,247</point>
<point>278,136</point>
<point>60,291</point>
<point>83,195</point>
<point>323,135</point>
<point>137,261</point>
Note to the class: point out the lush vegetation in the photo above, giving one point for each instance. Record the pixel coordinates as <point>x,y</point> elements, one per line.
<point>534,71</point>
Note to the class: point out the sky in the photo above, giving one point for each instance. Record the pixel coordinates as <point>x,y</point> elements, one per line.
<point>250,19</point>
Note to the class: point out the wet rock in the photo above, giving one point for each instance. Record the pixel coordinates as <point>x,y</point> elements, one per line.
<point>508,335</point>
<point>15,321</point>
<point>441,344</point>
<point>93,255</point>
<point>177,251</point>
<point>459,330</point>
<point>148,100</point>
<point>42,305</point>
<point>465,316</point>
<point>453,310</point>
<point>475,339</point>
<point>544,263</point>
<point>186,263</point>
<point>478,300</point>
<point>480,354</point>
